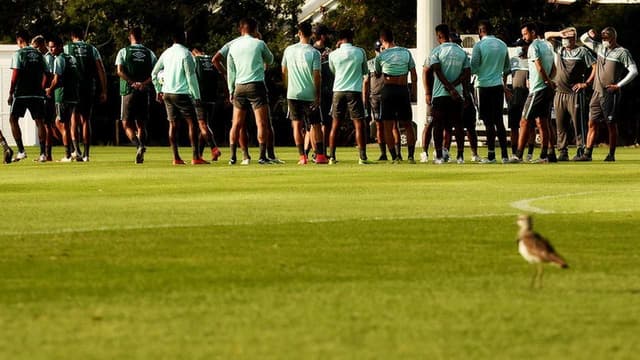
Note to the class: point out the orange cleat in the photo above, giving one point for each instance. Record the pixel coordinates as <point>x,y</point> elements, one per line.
<point>215,154</point>
<point>178,162</point>
<point>199,162</point>
<point>321,159</point>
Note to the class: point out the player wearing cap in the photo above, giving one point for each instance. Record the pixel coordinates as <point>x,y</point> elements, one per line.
<point>615,68</point>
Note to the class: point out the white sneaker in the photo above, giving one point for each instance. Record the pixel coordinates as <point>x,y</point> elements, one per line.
<point>20,156</point>
<point>66,159</point>
<point>438,161</point>
<point>276,161</point>
<point>445,155</point>
<point>476,158</point>
<point>505,160</point>
<point>245,162</point>
<point>42,158</point>
<point>85,159</point>
<point>76,156</point>
<point>529,157</point>
<point>424,157</point>
<point>460,160</point>
<point>487,161</point>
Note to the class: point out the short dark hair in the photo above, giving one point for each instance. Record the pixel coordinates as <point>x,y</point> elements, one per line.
<point>56,40</point>
<point>136,32</point>
<point>38,40</point>
<point>486,24</point>
<point>345,34</point>
<point>178,36</point>
<point>305,28</point>
<point>444,30</point>
<point>22,34</point>
<point>250,23</point>
<point>531,27</point>
<point>386,35</point>
<point>320,30</point>
<point>77,32</point>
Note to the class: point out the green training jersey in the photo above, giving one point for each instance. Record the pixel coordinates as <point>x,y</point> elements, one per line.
<point>207,78</point>
<point>31,68</point>
<point>453,60</point>
<point>68,90</point>
<point>245,61</point>
<point>349,64</point>
<point>539,50</point>
<point>137,62</point>
<point>86,56</point>
<point>396,61</point>
<point>301,61</point>
<point>490,61</point>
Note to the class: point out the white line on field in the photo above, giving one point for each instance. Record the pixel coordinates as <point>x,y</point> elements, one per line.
<point>525,204</point>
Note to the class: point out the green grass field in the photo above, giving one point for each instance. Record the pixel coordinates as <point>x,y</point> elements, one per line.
<point>112,260</point>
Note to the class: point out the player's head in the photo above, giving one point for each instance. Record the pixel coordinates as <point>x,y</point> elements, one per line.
<point>529,32</point>
<point>321,33</point>
<point>76,33</point>
<point>22,37</point>
<point>178,36</point>
<point>345,36</point>
<point>455,38</point>
<point>609,36</point>
<point>484,28</point>
<point>443,33</point>
<point>39,43</point>
<point>55,46</point>
<point>248,25</point>
<point>386,36</point>
<point>305,30</point>
<point>569,37</point>
<point>135,34</point>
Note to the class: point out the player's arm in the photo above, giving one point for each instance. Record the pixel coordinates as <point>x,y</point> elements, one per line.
<point>552,35</point>
<point>317,84</point>
<point>192,80</point>
<point>427,83</point>
<point>414,82</point>
<point>543,74</point>
<point>451,89</point>
<point>588,39</point>
<point>102,76</point>
<point>12,88</point>
<point>154,77</point>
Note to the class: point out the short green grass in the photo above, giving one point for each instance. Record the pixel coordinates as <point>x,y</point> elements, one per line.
<point>111,260</point>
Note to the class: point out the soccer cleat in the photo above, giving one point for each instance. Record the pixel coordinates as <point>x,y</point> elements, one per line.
<point>515,160</point>
<point>215,154</point>
<point>424,157</point>
<point>245,162</point>
<point>411,160</point>
<point>140,154</point>
<point>365,162</point>
<point>85,159</point>
<point>232,161</point>
<point>488,161</point>
<point>42,158</point>
<point>438,161</point>
<point>583,157</point>
<point>505,160</point>
<point>8,156</point>
<point>66,159</point>
<point>610,158</point>
<point>20,156</point>
<point>476,158</point>
<point>383,158</point>
<point>333,161</point>
<point>460,160</point>
<point>263,161</point>
<point>552,158</point>
<point>395,162</point>
<point>529,157</point>
<point>199,161</point>
<point>540,161</point>
<point>49,157</point>
<point>321,159</point>
<point>445,155</point>
<point>563,156</point>
<point>275,161</point>
<point>303,160</point>
<point>76,156</point>
<point>178,162</point>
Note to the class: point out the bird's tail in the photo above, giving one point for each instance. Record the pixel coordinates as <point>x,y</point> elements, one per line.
<point>558,260</point>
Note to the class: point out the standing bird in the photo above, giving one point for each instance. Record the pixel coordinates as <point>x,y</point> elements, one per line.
<point>536,249</point>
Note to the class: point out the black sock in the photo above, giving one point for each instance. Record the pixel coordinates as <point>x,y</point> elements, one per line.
<point>300,149</point>
<point>271,151</point>
<point>67,151</point>
<point>363,153</point>
<point>135,141</point>
<point>589,152</point>
<point>399,150</point>
<point>245,153</point>
<point>411,149</point>
<point>20,145</point>
<point>460,154</point>
<point>505,152</point>
<point>319,148</point>
<point>263,151</point>
<point>48,151</point>
<point>233,148</point>
<point>543,152</point>
<point>530,150</point>
<point>76,147</point>
<point>383,148</point>
<point>333,152</point>
<point>176,154</point>
<point>43,148</point>
<point>392,152</point>
<point>612,151</point>
<point>491,155</point>
<point>4,144</point>
<point>519,154</point>
<point>86,150</point>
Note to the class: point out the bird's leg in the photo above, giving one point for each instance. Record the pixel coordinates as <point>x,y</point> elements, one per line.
<point>533,278</point>
<point>540,273</point>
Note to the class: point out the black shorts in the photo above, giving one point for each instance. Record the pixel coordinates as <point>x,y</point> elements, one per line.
<point>49,111</point>
<point>179,106</point>
<point>395,103</point>
<point>300,110</point>
<point>250,96</point>
<point>204,111</point>
<point>604,107</point>
<point>64,112</point>
<point>135,106</point>
<point>34,105</point>
<point>325,108</point>
<point>347,103</point>
<point>491,104</point>
<point>446,112</point>
<point>538,105</point>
